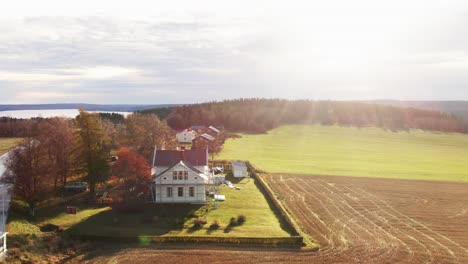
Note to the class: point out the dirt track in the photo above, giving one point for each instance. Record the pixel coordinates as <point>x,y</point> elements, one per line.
<point>356,220</point>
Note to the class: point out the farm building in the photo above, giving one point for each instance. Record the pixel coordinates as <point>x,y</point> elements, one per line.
<point>180,176</point>
<point>186,136</point>
<point>239,169</point>
<point>202,141</point>
<point>198,129</point>
<point>213,131</point>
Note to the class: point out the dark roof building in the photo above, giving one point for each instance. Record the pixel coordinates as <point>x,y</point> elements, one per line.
<point>167,158</point>
<point>212,128</point>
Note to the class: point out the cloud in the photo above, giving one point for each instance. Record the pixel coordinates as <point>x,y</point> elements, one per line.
<point>193,53</point>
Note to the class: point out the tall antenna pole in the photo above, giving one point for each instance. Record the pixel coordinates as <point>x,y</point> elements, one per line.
<point>154,154</point>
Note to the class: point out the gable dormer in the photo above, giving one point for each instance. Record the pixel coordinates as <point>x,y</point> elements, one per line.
<point>181,173</point>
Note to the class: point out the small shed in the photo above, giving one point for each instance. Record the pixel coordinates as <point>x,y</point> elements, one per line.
<point>239,169</point>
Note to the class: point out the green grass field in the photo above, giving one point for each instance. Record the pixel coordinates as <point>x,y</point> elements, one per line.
<point>167,220</point>
<point>248,201</point>
<point>344,151</point>
<point>177,220</point>
<point>7,143</point>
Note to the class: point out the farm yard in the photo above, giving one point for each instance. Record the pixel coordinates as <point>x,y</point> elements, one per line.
<point>348,151</point>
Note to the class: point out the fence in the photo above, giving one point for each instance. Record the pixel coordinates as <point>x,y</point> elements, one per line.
<point>3,244</point>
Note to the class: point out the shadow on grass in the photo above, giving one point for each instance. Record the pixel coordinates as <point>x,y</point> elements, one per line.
<point>234,180</point>
<point>58,206</point>
<point>194,228</point>
<point>229,228</point>
<point>152,221</point>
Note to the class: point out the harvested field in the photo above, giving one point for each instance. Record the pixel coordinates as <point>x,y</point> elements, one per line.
<point>356,220</point>
<point>379,220</point>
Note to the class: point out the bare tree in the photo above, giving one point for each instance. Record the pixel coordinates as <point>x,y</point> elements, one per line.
<point>29,173</point>
<point>60,140</point>
<point>143,132</point>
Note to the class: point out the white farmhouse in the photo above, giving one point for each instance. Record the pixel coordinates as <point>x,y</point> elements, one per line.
<point>186,136</point>
<point>180,176</point>
<point>239,169</point>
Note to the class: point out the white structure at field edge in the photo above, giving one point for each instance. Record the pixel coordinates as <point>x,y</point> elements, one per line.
<point>239,169</point>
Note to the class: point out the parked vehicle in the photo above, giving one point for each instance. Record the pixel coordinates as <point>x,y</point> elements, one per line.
<point>76,186</point>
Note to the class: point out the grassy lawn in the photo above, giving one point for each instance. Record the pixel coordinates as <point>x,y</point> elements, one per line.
<point>164,220</point>
<point>343,151</point>
<point>8,143</point>
<point>178,219</point>
<point>248,201</point>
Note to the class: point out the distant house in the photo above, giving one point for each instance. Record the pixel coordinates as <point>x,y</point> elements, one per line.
<point>202,141</point>
<point>204,129</point>
<point>186,136</point>
<point>213,131</point>
<point>199,129</point>
<point>180,176</point>
<point>239,169</point>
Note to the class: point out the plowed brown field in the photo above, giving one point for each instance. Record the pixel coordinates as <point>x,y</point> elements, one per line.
<point>379,220</point>
<point>356,220</point>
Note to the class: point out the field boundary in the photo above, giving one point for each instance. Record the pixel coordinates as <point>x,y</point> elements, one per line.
<point>286,220</point>
<point>292,241</point>
<point>281,210</point>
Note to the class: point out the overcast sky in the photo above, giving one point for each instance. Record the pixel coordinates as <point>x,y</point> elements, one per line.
<point>154,52</point>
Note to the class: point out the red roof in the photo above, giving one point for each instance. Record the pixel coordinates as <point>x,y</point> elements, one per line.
<point>195,157</point>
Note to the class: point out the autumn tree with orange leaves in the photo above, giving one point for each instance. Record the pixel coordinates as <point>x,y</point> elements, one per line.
<point>133,172</point>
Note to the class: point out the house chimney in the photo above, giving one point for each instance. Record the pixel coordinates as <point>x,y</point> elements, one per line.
<point>182,155</point>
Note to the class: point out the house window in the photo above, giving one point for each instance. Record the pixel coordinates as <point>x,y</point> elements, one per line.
<point>169,191</point>
<point>191,191</point>
<point>174,175</point>
<point>180,191</point>
<point>185,175</point>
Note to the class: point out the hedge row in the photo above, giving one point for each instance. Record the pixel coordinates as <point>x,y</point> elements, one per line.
<point>268,241</point>
<point>281,212</point>
<point>279,209</point>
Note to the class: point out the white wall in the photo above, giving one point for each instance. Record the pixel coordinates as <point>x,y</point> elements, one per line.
<point>185,136</point>
<point>167,180</point>
<point>161,194</point>
<point>239,171</point>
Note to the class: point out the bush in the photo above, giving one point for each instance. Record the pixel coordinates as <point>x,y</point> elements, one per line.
<point>215,225</point>
<point>49,228</point>
<point>233,221</point>
<point>241,219</point>
<point>198,223</point>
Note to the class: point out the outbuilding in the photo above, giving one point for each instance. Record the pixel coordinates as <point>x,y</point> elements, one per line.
<point>239,169</point>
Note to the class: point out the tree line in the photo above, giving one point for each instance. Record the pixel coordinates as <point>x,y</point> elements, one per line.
<point>56,150</point>
<point>261,115</point>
